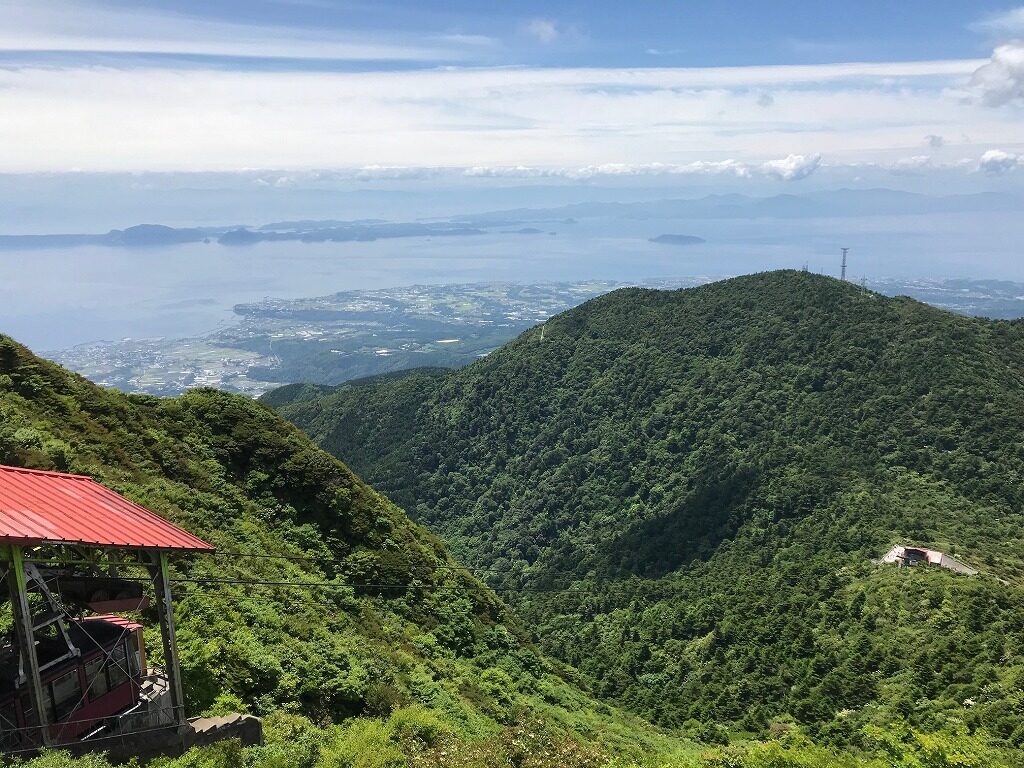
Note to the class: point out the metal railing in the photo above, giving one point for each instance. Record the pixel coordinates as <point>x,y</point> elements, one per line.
<point>107,732</point>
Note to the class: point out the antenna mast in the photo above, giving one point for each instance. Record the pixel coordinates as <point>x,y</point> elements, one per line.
<point>842,275</point>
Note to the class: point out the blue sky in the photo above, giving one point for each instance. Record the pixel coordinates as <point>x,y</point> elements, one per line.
<point>537,90</point>
<point>680,33</point>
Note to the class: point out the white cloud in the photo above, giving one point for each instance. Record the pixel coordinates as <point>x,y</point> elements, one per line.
<point>1001,80</point>
<point>510,172</point>
<point>645,120</point>
<point>793,167</point>
<point>396,172</point>
<point>83,26</point>
<point>789,168</point>
<point>996,162</point>
<point>543,30</point>
<point>1006,24</point>
<point>478,41</point>
<point>912,165</point>
<point>729,167</point>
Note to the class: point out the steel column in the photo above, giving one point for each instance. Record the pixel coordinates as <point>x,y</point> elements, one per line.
<point>23,626</point>
<point>165,607</point>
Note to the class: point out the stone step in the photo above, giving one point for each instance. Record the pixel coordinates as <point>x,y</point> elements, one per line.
<point>203,725</point>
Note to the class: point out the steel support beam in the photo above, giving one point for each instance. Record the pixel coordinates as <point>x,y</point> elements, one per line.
<point>165,607</point>
<point>23,626</point>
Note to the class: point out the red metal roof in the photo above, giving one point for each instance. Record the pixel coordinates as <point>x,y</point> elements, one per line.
<point>42,507</point>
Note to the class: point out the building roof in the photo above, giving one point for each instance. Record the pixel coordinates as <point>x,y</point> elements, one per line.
<point>39,507</point>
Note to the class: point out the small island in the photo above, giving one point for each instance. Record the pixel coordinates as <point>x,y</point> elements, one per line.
<point>677,240</point>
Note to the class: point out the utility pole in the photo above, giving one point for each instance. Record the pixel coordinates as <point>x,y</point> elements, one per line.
<point>842,275</point>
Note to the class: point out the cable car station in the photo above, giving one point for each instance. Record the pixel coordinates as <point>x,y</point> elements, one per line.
<point>74,673</point>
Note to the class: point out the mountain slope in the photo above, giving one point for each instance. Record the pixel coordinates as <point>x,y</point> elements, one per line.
<point>392,628</point>
<point>711,471</point>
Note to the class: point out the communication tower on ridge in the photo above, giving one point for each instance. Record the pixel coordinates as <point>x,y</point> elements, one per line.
<point>842,275</point>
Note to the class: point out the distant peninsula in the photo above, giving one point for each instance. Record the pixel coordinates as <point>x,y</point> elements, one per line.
<point>148,235</point>
<point>677,240</point>
<point>523,231</point>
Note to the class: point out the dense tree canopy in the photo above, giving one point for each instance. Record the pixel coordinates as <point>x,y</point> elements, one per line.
<point>398,626</point>
<point>681,493</point>
<point>684,492</point>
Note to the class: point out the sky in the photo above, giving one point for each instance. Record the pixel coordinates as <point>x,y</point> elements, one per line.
<point>578,91</point>
<point>242,112</point>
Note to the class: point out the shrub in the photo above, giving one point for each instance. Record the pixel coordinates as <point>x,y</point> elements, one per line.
<point>417,723</point>
<point>362,744</point>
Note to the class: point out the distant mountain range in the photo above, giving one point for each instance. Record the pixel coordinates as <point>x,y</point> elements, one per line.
<point>841,203</point>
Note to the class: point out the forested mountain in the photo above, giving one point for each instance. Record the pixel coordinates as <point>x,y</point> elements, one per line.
<point>685,492</point>
<point>398,643</point>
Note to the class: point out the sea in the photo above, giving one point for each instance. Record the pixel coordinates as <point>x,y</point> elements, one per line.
<point>52,299</point>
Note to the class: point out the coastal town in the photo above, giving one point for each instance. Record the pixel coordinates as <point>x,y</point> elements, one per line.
<point>352,334</point>
<point>330,339</point>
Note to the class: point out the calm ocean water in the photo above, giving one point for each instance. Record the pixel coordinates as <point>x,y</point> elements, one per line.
<point>51,299</point>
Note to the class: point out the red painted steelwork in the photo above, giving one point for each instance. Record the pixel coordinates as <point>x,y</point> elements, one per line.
<point>84,718</point>
<point>127,625</point>
<point>121,621</point>
<point>39,507</point>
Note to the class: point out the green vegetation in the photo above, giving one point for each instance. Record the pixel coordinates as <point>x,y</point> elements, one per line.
<point>682,493</point>
<point>414,739</point>
<point>403,645</point>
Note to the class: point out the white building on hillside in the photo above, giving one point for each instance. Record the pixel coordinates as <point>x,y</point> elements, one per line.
<point>908,556</point>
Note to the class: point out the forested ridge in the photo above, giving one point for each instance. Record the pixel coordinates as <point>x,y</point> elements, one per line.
<point>401,657</point>
<point>685,491</point>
